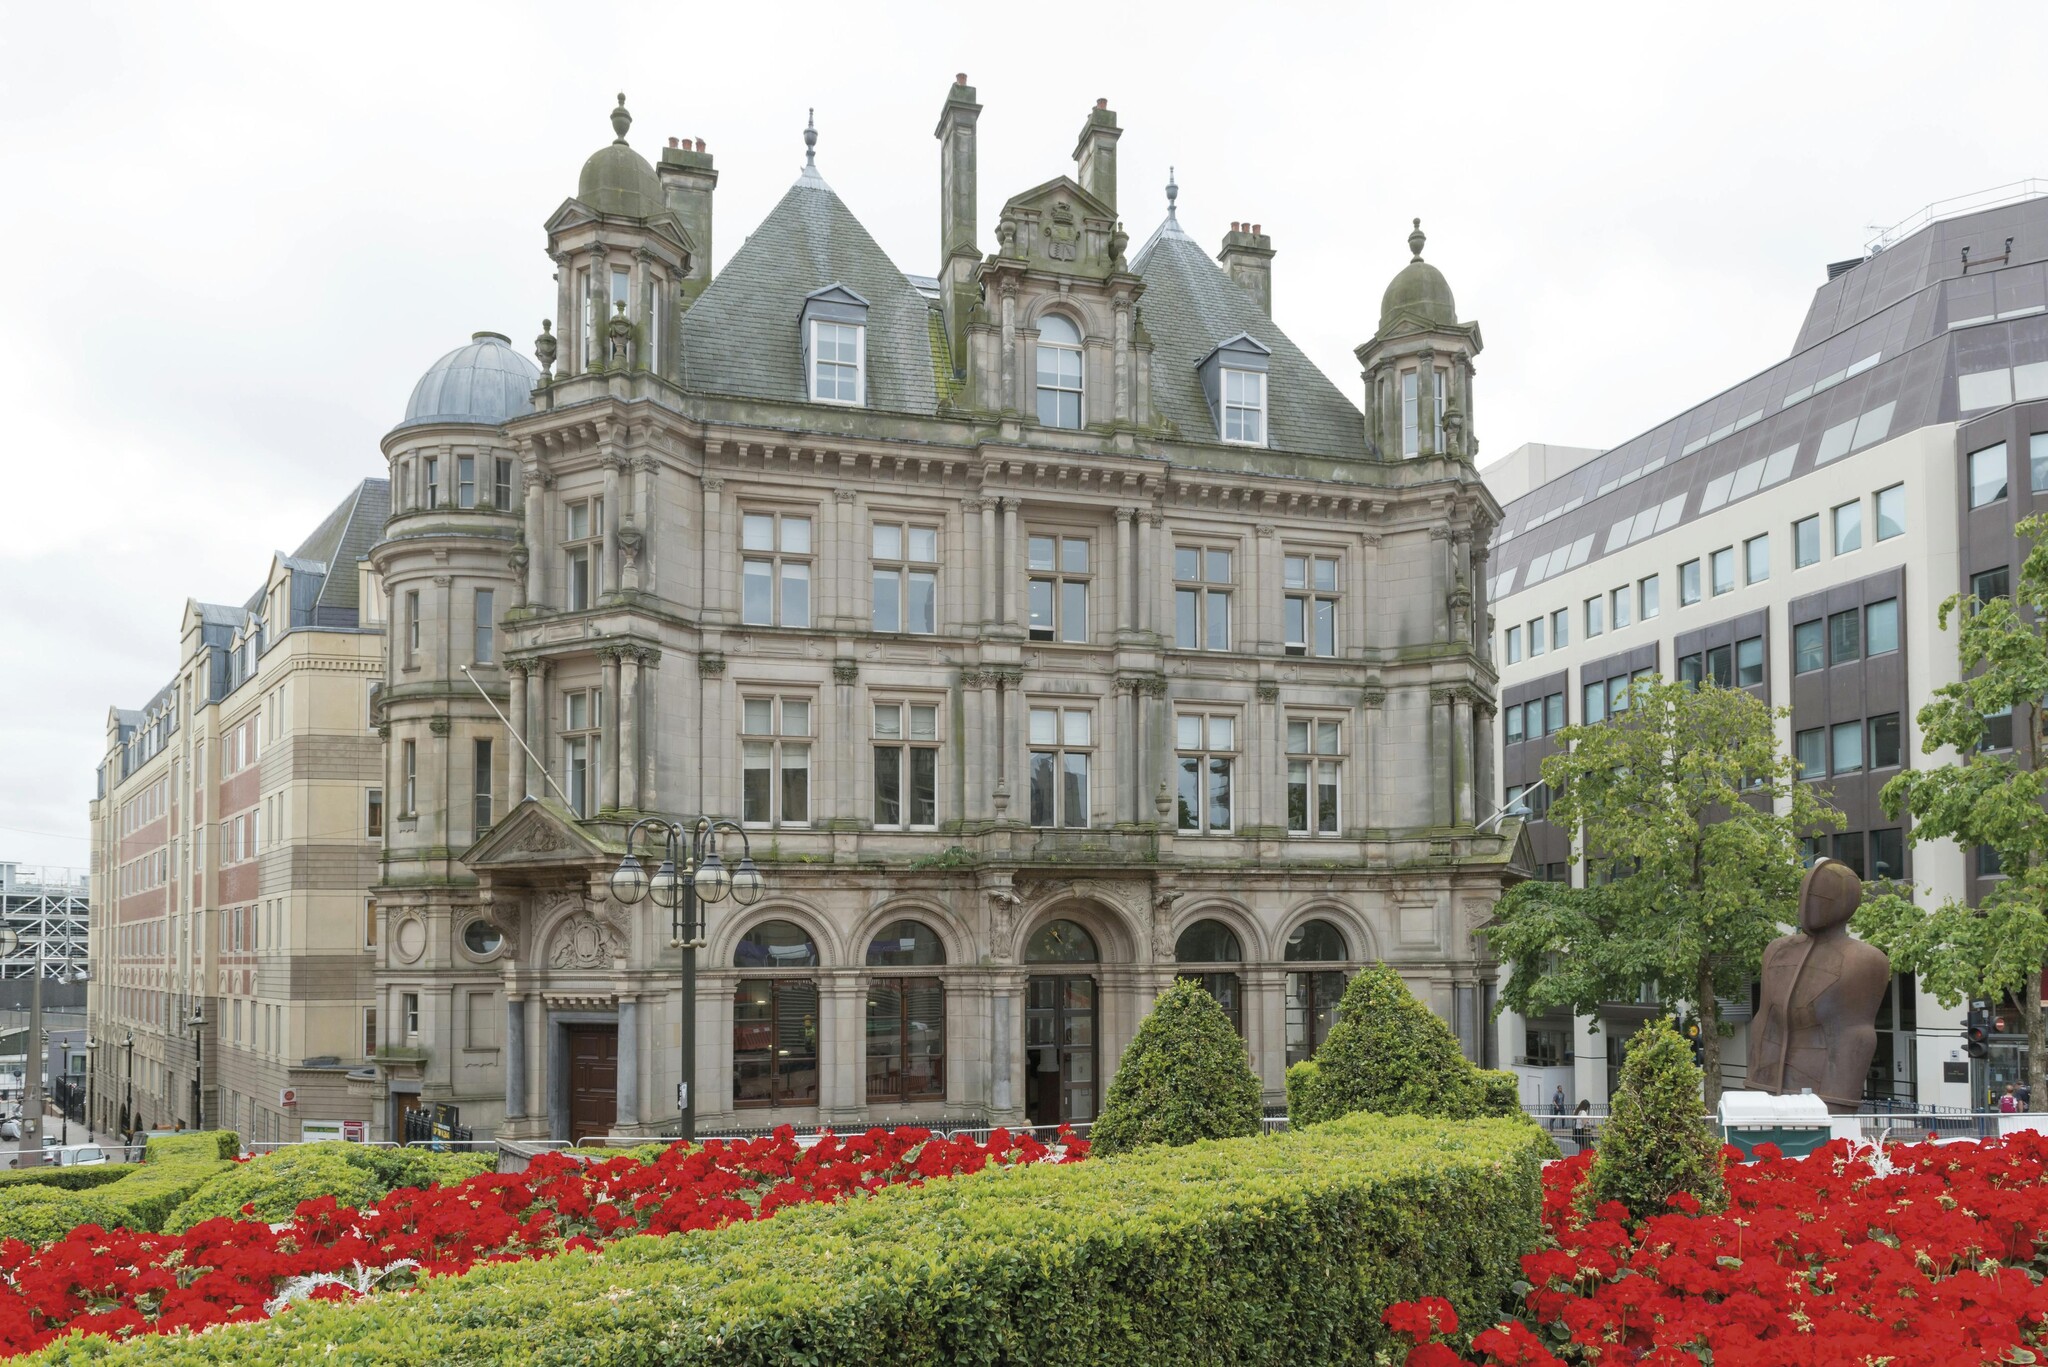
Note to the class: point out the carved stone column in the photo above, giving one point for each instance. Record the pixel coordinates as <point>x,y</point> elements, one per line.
<point>629,1064</point>
<point>516,761</point>
<point>608,758</point>
<point>646,684</point>
<point>614,506</point>
<point>1463,736</point>
<point>1123,358</point>
<point>629,730</point>
<point>515,1057</point>
<point>540,719</point>
<point>1151,525</point>
<point>717,595</point>
<point>840,594</point>
<point>1123,568</point>
<point>1442,760</point>
<point>1011,403</point>
<point>976,781</point>
<point>1011,560</point>
<point>533,532</point>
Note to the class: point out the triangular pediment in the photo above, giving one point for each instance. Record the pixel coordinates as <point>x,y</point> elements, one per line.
<point>537,831</point>
<point>574,213</point>
<point>1044,198</point>
<point>836,293</point>
<point>1406,323</point>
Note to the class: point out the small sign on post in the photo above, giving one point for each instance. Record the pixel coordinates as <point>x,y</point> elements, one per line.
<point>288,1096</point>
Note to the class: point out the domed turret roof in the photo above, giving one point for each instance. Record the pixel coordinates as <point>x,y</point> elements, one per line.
<point>486,382</point>
<point>1420,289</point>
<point>617,181</point>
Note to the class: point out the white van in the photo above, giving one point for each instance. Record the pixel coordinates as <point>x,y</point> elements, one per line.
<point>74,1155</point>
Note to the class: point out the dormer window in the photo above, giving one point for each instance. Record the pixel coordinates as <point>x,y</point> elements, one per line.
<point>834,329</point>
<point>1059,372</point>
<point>1234,381</point>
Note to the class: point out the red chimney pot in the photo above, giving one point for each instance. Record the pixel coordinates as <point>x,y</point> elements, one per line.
<point>1102,103</point>
<point>700,144</point>
<point>1257,230</point>
<point>671,142</point>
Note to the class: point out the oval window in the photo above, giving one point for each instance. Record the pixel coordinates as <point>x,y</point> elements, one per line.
<point>481,938</point>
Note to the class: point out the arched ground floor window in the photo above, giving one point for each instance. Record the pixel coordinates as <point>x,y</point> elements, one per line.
<point>1313,993</point>
<point>775,1020</point>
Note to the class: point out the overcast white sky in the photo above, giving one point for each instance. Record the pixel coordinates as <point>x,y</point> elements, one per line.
<point>236,236</point>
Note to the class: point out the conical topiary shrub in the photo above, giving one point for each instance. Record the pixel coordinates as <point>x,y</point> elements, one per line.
<point>1184,1077</point>
<point>1390,1053</point>
<point>1655,1143</point>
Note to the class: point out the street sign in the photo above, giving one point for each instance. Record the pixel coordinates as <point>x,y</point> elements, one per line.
<point>288,1096</point>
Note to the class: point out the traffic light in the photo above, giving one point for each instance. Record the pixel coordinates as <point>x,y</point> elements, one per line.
<point>1977,1033</point>
<point>1691,1030</point>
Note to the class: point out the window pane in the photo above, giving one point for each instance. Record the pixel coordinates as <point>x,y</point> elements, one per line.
<point>1617,694</point>
<point>888,720</point>
<point>796,783</point>
<point>1884,741</point>
<point>1808,647</point>
<point>1297,737</point>
<point>1190,793</point>
<point>1216,566</point>
<point>1809,749</point>
<point>1513,722</point>
<point>2037,455</point>
<point>1074,728</point>
<point>1326,574</point>
<point>888,541</point>
<point>1326,799</point>
<point>1757,553</point>
<point>1297,796</point>
<point>1219,794</point>
<point>885,1039</point>
<point>1038,595</point>
<point>924,545</point>
<point>1561,628</point>
<point>1594,707</point>
<point>888,785</point>
<point>1187,563</point>
<point>1881,625</point>
<point>1724,570</point>
<point>757,530</point>
<point>756,600</point>
<point>1326,627</point>
<point>1074,789</point>
<point>1689,583</point>
<point>796,535</point>
<point>1749,662</point>
<point>796,717</point>
<point>1989,584</point>
<point>923,614</point>
<point>1891,512</point>
<point>1044,726</point>
<point>1845,637</point>
<point>1039,553</point>
<point>758,716</point>
<point>796,594</point>
<point>1806,542</point>
<point>1617,608</point>
<point>1218,608</point>
<point>1596,617</point>
<point>1721,665</point>
<point>1221,732</point>
<point>1846,743</point>
<point>1295,612</point>
<point>756,779</point>
<point>924,722</point>
<point>1327,737</point>
<point>887,608</point>
<point>1073,555</point>
<point>1553,713</point>
<point>1887,854</point>
<point>1186,612</point>
<point>1848,528</point>
<point>1647,593</point>
<point>1074,610</point>
<point>924,786</point>
<point>1041,788</point>
<point>1987,475</point>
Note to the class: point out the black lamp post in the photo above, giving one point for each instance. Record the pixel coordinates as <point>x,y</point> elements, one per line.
<point>690,872</point>
<point>198,1024</point>
<point>128,1105</point>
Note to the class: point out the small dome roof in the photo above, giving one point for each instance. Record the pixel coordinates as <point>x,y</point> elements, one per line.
<point>1419,289</point>
<point>486,382</point>
<point>617,181</point>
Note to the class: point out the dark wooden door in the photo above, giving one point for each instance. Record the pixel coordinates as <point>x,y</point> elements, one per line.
<point>593,1080</point>
<point>1059,1050</point>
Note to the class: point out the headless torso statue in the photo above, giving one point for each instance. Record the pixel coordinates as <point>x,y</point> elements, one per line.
<point>1816,1026</point>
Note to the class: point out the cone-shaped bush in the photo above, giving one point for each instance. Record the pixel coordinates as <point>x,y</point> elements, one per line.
<point>1183,1078</point>
<point>1390,1053</point>
<point>1655,1144</point>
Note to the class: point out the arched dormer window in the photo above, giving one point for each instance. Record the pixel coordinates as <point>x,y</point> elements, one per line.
<point>1059,372</point>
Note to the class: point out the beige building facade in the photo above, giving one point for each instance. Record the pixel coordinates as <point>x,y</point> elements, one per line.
<point>235,855</point>
<point>1050,626</point>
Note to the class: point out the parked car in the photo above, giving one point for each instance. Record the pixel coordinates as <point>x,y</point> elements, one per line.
<point>74,1155</point>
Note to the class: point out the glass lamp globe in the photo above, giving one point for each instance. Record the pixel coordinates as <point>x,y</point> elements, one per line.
<point>629,880</point>
<point>747,883</point>
<point>666,887</point>
<point>714,879</point>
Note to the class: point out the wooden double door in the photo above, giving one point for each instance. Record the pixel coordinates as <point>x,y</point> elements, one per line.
<point>592,1054</point>
<point>1060,1028</point>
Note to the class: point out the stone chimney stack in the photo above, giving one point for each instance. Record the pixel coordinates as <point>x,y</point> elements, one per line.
<point>1248,255</point>
<point>1095,154</point>
<point>958,254</point>
<point>687,180</point>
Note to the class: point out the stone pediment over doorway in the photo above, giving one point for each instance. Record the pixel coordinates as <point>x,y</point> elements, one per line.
<point>536,832</point>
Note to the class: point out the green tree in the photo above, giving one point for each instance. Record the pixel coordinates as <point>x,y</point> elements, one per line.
<point>1390,1053</point>
<point>1183,1078</point>
<point>1654,1144</point>
<point>1690,816</point>
<point>1983,798</point>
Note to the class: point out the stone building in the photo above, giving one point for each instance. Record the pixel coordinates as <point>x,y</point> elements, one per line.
<point>235,841</point>
<point>1051,625</point>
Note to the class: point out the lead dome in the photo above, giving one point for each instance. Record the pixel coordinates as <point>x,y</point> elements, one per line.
<point>1420,289</point>
<point>484,382</point>
<point>617,181</point>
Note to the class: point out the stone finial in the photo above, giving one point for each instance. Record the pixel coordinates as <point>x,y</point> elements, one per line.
<point>545,348</point>
<point>621,119</point>
<point>1416,239</point>
<point>811,142</point>
<point>1173,194</point>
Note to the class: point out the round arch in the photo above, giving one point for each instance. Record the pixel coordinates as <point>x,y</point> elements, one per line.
<point>1117,936</point>
<point>1055,307</point>
<point>737,921</point>
<point>954,937</point>
<point>1232,914</point>
<point>1359,938</point>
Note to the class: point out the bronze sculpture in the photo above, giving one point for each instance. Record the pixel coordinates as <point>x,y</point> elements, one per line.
<point>1816,1025</point>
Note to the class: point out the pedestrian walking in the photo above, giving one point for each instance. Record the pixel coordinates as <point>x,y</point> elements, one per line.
<point>1557,1108</point>
<point>1582,1126</point>
<point>2009,1104</point>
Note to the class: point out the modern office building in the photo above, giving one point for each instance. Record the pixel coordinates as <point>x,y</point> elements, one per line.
<point>1050,625</point>
<point>1795,535</point>
<point>235,840</point>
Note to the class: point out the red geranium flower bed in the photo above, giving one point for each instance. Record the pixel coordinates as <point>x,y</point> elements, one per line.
<point>1922,1255</point>
<point>120,1282</point>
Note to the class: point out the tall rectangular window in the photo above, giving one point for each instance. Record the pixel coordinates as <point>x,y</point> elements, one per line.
<point>1845,747</point>
<point>1722,564</point>
<point>1309,583</point>
<point>583,553</point>
<point>1884,741</point>
<point>501,483</point>
<point>1809,647</point>
<point>1756,556</point>
<point>1593,702</point>
<point>836,361</point>
<point>409,1013</point>
<point>1596,616</point>
<point>1845,637</point>
<point>1441,396</point>
<point>430,476</point>
<point>1688,583</point>
<point>412,628</point>
<point>1888,854</point>
<point>465,481</point>
<point>1535,637</point>
<point>1244,406</point>
<point>480,786</point>
<point>1721,665</point>
<point>775,570</point>
<point>1848,527</point>
<point>1561,628</point>
<point>1997,730</point>
<point>1315,768</point>
<point>1647,597</point>
<point>369,1032</point>
<point>1201,597</point>
<point>582,743</point>
<point>408,773</point>
<point>373,814</point>
<point>1061,740</point>
<point>1511,644</point>
<point>1881,627</point>
<point>1987,475</point>
<point>1059,372</point>
<point>484,649</point>
<point>1810,749</point>
<point>1511,723</point>
<point>1749,662</point>
<point>1411,428</point>
<point>905,569</point>
<point>1891,512</point>
<point>1618,604</point>
<point>906,765</point>
<point>1207,746</point>
<point>1060,572</point>
<point>1806,542</point>
<point>1986,585</point>
<point>775,761</point>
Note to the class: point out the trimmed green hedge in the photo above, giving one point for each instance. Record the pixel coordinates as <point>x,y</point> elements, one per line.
<point>137,1196</point>
<point>353,1174</point>
<point>43,1215</point>
<point>1654,1144</point>
<point>1280,1249</point>
<point>67,1179</point>
<point>1184,1077</point>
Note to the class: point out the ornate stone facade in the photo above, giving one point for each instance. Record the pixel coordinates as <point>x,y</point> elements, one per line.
<point>1043,623</point>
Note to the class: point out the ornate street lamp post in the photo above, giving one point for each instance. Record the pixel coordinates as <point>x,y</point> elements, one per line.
<point>690,872</point>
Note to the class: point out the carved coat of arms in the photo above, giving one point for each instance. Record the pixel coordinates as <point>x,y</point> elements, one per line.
<point>1062,237</point>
